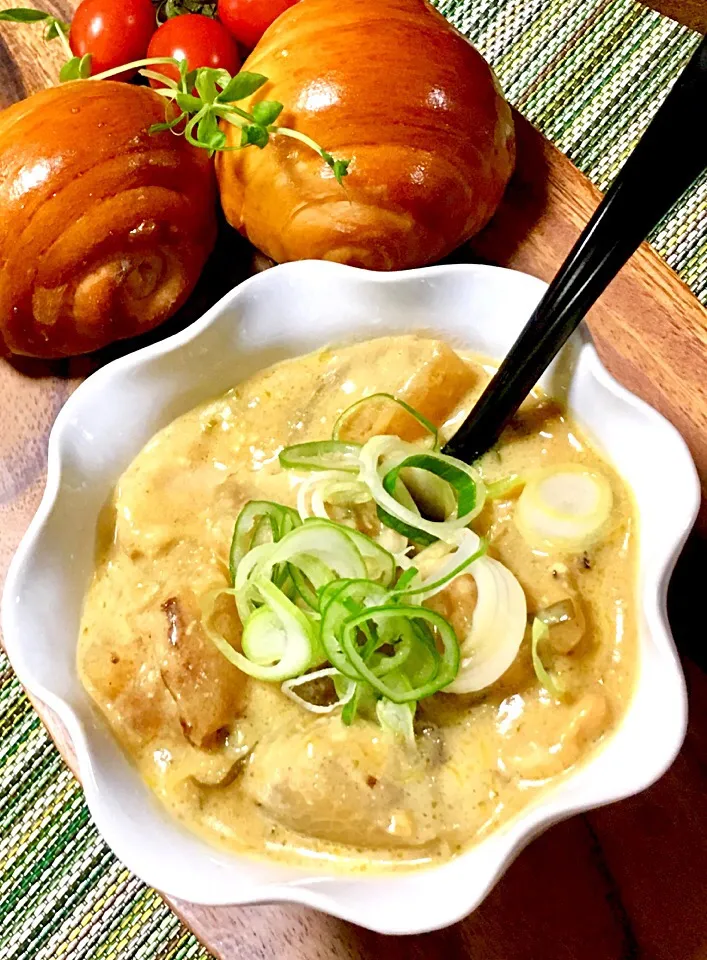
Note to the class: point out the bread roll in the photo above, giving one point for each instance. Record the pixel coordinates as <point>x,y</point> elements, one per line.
<point>392,85</point>
<point>104,228</point>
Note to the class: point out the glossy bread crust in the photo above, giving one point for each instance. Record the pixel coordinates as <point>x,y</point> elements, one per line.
<point>392,85</point>
<point>104,228</point>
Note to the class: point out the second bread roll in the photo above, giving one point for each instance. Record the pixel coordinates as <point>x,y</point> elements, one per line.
<point>390,84</point>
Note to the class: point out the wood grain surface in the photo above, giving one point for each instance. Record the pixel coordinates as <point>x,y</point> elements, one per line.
<point>691,13</point>
<point>624,882</point>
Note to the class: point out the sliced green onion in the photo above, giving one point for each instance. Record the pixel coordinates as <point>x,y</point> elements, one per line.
<point>403,641</point>
<point>465,480</point>
<point>540,633</point>
<point>348,688</point>
<point>294,630</point>
<point>500,489</point>
<point>460,479</point>
<point>329,486</point>
<point>376,398</point>
<point>247,572</point>
<point>449,664</point>
<point>321,455</point>
<point>564,507</point>
<point>469,548</point>
<point>337,606</point>
<point>254,521</point>
<point>322,540</point>
<point>432,495</point>
<point>327,541</point>
<point>310,575</point>
<point>398,718</point>
<point>362,698</point>
<point>380,564</point>
<point>423,664</point>
<point>405,579</point>
<point>264,640</point>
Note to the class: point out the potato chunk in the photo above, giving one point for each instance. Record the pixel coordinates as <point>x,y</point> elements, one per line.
<point>351,785</point>
<point>435,389</point>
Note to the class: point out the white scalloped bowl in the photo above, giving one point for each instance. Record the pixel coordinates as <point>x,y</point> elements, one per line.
<point>287,311</point>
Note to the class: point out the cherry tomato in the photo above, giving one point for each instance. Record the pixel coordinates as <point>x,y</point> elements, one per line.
<point>199,40</point>
<point>113,32</point>
<point>249,19</point>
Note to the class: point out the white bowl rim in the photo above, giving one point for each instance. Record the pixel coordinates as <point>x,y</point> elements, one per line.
<point>314,892</point>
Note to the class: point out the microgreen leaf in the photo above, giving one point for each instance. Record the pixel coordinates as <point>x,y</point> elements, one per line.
<point>200,114</point>
<point>241,86</point>
<point>55,29</point>
<point>187,77</point>
<point>205,84</point>
<point>78,68</point>
<point>209,134</point>
<point>188,103</point>
<point>341,170</point>
<point>266,112</point>
<point>189,80</point>
<point>222,77</point>
<point>24,15</point>
<point>255,134</point>
<point>340,167</point>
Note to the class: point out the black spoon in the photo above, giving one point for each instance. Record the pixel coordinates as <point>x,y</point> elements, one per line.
<point>669,157</point>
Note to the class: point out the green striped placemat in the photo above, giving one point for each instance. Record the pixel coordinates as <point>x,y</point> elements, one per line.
<point>590,74</point>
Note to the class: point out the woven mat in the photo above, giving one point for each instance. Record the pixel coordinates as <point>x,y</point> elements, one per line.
<point>590,74</point>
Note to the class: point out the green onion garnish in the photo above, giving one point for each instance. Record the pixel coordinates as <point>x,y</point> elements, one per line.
<point>540,632</point>
<point>375,399</point>
<point>321,455</point>
<point>317,595</point>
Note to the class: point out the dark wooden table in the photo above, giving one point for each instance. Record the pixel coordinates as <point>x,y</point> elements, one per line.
<point>626,881</point>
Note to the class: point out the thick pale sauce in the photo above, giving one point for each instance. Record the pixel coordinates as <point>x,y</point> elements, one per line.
<point>273,779</point>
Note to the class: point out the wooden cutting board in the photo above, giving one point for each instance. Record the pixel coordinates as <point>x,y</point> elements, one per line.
<point>628,881</point>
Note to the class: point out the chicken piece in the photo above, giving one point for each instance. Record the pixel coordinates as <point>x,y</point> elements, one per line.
<point>435,389</point>
<point>352,785</point>
<point>124,680</point>
<point>207,689</point>
<point>558,745</point>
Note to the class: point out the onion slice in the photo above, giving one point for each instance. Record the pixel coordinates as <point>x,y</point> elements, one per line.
<point>289,688</point>
<point>469,548</point>
<point>497,627</point>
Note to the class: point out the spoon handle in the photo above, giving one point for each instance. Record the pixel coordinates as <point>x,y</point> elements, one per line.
<point>669,157</point>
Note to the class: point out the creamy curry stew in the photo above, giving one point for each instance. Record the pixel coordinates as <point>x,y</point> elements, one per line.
<point>390,653</point>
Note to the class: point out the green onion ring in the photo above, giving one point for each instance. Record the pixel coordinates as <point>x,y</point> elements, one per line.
<point>415,414</point>
<point>321,455</point>
<point>449,665</point>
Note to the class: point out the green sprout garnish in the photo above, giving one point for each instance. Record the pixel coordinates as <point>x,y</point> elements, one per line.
<point>55,28</point>
<point>207,95</point>
<point>203,97</point>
